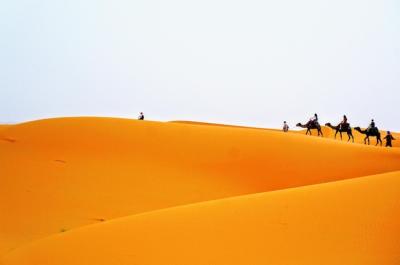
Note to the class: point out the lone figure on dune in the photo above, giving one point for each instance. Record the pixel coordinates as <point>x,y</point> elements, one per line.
<point>343,126</point>
<point>285,127</point>
<point>312,124</point>
<point>389,137</point>
<point>141,116</point>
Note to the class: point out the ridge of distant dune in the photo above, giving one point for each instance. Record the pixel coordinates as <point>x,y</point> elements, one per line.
<point>328,132</point>
<point>61,174</point>
<point>220,125</point>
<point>353,221</point>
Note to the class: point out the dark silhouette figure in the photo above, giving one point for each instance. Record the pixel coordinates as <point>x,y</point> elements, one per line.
<point>342,128</point>
<point>371,125</point>
<point>141,116</point>
<point>311,125</point>
<point>389,137</point>
<point>343,122</point>
<point>371,132</point>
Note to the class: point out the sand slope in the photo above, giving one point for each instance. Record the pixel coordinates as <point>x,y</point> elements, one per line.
<point>61,174</point>
<point>348,222</point>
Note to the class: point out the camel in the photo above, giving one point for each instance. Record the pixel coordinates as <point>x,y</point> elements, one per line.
<point>311,125</point>
<point>344,128</point>
<point>373,132</point>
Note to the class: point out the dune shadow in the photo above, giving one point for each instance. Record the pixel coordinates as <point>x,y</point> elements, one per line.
<point>9,140</point>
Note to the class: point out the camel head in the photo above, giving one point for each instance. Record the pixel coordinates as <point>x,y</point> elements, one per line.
<point>299,124</point>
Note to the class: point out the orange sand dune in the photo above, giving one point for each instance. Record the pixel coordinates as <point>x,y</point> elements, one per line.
<point>61,174</point>
<point>4,126</point>
<point>347,222</point>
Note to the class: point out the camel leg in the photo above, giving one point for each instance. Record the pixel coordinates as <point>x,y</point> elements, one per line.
<point>341,138</point>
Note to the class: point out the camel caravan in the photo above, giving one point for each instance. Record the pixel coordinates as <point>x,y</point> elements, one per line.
<point>344,127</point>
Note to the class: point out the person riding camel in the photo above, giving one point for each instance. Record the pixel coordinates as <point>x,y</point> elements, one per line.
<point>371,126</point>
<point>343,123</point>
<point>314,120</point>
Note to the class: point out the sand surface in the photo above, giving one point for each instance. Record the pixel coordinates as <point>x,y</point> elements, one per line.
<point>119,191</point>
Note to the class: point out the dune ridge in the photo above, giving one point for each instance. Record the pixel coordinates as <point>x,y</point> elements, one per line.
<point>65,173</point>
<point>328,132</point>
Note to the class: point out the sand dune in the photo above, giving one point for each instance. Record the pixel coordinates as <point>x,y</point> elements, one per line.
<point>4,126</point>
<point>61,174</point>
<point>348,222</point>
<point>222,125</point>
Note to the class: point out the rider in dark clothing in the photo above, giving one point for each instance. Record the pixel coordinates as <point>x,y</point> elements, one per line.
<point>343,123</point>
<point>389,137</point>
<point>313,120</point>
<point>315,117</point>
<point>141,116</point>
<point>371,125</point>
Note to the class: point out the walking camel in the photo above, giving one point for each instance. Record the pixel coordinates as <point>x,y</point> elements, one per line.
<point>311,126</point>
<point>372,132</point>
<point>340,129</point>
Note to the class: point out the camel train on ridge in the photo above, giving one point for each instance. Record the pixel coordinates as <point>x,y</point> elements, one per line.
<point>343,127</point>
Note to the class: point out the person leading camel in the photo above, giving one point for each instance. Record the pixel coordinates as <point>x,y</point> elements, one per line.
<point>389,137</point>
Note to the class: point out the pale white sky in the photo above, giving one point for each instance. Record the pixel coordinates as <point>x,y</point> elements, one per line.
<point>252,62</point>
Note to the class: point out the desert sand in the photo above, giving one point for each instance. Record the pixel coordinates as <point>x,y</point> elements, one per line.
<point>119,191</point>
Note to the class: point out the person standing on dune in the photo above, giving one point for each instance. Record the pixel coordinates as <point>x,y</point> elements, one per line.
<point>141,116</point>
<point>285,127</point>
<point>389,137</point>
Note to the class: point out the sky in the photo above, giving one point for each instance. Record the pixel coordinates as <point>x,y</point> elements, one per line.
<point>253,62</point>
